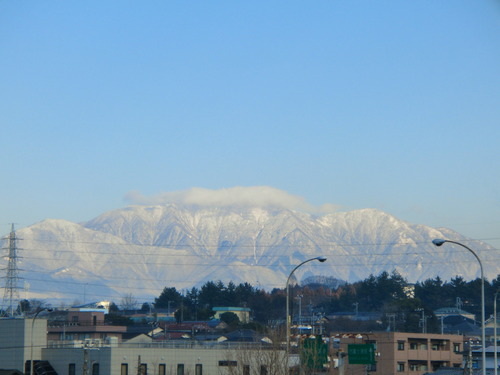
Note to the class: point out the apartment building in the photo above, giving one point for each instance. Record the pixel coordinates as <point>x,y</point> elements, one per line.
<point>401,353</point>
<point>78,325</point>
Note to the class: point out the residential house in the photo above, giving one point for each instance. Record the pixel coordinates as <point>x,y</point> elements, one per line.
<point>476,355</point>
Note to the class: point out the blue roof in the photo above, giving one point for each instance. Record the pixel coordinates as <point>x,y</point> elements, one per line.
<point>231,309</point>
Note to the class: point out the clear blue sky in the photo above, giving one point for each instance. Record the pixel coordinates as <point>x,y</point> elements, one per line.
<point>392,105</point>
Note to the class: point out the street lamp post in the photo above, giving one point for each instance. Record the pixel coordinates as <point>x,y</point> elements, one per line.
<point>319,259</point>
<point>32,329</point>
<point>439,242</point>
<point>495,329</point>
<point>423,319</point>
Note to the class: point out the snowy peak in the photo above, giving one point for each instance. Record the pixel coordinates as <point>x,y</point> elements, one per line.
<point>145,248</point>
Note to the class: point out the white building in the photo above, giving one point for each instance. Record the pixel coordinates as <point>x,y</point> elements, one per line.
<point>179,358</point>
<point>109,357</point>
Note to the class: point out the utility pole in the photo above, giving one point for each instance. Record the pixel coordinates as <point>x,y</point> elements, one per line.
<point>392,319</point>
<point>11,295</point>
<point>469,359</point>
<point>299,297</point>
<point>85,361</point>
<point>423,320</point>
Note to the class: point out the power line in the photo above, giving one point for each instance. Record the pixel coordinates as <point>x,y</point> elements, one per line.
<point>217,246</point>
<point>216,260</point>
<point>160,252</point>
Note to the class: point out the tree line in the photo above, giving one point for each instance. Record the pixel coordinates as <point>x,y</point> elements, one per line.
<point>397,301</point>
<point>389,294</point>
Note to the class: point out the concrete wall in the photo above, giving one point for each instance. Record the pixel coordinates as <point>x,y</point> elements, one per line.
<point>15,341</point>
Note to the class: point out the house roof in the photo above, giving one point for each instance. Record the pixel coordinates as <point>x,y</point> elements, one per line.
<point>139,339</point>
<point>464,328</point>
<point>246,335</point>
<point>453,320</point>
<point>87,328</point>
<point>490,331</point>
<point>361,315</point>
<point>458,371</point>
<point>451,311</point>
<point>92,306</point>
<point>189,325</point>
<point>243,309</point>
<point>133,331</point>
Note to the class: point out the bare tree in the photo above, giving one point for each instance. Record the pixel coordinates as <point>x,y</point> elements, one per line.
<point>267,357</point>
<point>129,302</point>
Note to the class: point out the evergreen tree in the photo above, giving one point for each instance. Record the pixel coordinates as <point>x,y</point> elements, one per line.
<point>168,294</point>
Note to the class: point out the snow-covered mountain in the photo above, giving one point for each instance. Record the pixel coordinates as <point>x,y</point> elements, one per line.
<point>139,250</point>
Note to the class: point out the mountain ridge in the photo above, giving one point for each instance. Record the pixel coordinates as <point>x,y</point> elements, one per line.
<point>141,249</point>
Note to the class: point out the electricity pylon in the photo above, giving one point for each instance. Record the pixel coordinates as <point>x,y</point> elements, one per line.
<point>11,296</point>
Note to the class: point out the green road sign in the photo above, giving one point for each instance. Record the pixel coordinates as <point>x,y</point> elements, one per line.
<point>361,354</point>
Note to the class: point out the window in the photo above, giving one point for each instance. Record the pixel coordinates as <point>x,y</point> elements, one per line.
<point>228,363</point>
<point>198,370</point>
<point>456,347</point>
<point>246,369</point>
<point>401,366</point>
<point>180,369</point>
<point>124,369</point>
<point>401,345</point>
<point>143,369</point>
<point>263,370</point>
<point>71,369</point>
<point>95,369</point>
<point>413,346</point>
<point>372,367</point>
<point>418,366</point>
<point>162,370</point>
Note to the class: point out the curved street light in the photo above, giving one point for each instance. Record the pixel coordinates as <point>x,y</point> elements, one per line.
<point>32,329</point>
<point>439,242</point>
<point>319,259</point>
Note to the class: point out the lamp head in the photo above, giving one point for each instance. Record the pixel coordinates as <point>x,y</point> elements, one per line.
<point>40,309</point>
<point>438,241</point>
<point>321,259</point>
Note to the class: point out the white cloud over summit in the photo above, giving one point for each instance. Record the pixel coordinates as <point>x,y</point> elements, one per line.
<point>260,196</point>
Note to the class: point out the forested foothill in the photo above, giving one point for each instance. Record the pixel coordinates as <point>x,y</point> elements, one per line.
<point>399,305</point>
